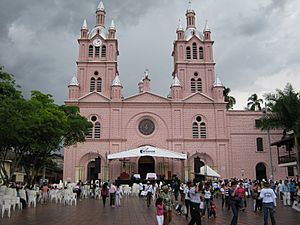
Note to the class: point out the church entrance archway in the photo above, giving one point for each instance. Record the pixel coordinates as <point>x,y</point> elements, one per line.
<point>146,165</point>
<point>261,171</point>
<point>91,171</point>
<point>198,163</point>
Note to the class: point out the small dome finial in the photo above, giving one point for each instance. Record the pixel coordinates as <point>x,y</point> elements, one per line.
<point>101,6</point>
<point>218,82</point>
<point>206,27</point>
<point>190,6</point>
<point>179,25</point>
<point>116,81</point>
<point>74,82</point>
<point>112,25</point>
<point>84,25</point>
<point>176,82</point>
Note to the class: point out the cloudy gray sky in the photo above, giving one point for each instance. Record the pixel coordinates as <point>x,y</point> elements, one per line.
<point>256,42</point>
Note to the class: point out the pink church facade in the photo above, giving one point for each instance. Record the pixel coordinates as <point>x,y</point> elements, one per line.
<point>192,119</point>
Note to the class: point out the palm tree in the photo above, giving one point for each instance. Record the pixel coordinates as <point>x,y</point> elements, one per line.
<point>229,99</point>
<point>285,114</point>
<point>254,103</point>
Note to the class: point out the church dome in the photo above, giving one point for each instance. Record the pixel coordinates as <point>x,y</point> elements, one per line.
<point>102,31</point>
<point>188,34</point>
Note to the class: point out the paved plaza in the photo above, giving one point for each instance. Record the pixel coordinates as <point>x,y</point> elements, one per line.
<point>132,212</point>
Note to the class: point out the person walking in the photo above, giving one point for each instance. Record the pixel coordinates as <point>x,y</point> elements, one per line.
<point>207,195</point>
<point>112,194</point>
<point>234,202</point>
<point>187,199</point>
<point>159,211</point>
<point>104,193</point>
<point>167,200</point>
<point>118,196</point>
<point>269,202</point>
<point>195,204</point>
<point>286,194</point>
<point>149,193</point>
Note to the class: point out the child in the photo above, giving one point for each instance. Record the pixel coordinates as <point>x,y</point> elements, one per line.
<point>213,208</point>
<point>159,211</point>
<point>118,196</point>
<point>201,206</point>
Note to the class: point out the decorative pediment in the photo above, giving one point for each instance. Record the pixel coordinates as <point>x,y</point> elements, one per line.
<point>146,97</point>
<point>198,97</point>
<point>94,97</point>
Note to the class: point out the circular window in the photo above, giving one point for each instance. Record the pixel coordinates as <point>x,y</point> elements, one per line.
<point>146,127</point>
<point>195,74</point>
<point>198,118</point>
<point>94,118</point>
<point>96,73</point>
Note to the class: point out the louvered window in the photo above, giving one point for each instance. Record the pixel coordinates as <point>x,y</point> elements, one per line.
<point>201,53</point>
<point>193,85</point>
<point>188,52</point>
<point>97,130</point>
<point>92,84</point>
<point>199,85</point>
<point>99,84</point>
<point>202,130</point>
<point>195,130</point>
<point>90,133</point>
<point>97,51</point>
<point>103,51</point>
<point>91,51</point>
<point>259,144</point>
<point>194,51</point>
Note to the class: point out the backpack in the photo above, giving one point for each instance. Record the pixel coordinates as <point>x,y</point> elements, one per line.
<point>104,192</point>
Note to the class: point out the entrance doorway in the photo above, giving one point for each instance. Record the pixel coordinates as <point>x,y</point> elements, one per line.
<point>146,165</point>
<point>261,172</point>
<point>197,165</point>
<point>91,171</point>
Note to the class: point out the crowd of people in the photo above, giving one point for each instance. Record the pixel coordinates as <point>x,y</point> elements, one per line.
<point>194,199</point>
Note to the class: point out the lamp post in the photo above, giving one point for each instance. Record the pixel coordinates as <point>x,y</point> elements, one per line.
<point>270,148</point>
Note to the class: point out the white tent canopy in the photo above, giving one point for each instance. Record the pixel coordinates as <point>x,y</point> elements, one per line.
<point>147,151</point>
<point>208,171</point>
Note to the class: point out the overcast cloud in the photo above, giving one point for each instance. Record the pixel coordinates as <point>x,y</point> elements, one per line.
<point>256,42</point>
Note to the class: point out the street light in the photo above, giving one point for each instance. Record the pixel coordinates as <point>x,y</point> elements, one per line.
<point>270,148</point>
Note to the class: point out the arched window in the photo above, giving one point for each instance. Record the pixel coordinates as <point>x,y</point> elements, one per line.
<point>90,133</point>
<point>99,84</point>
<point>103,51</point>
<point>91,51</point>
<point>195,130</point>
<point>92,84</point>
<point>97,130</point>
<point>201,53</point>
<point>259,144</point>
<point>97,51</point>
<point>194,50</point>
<point>199,85</point>
<point>188,52</point>
<point>202,130</point>
<point>193,85</point>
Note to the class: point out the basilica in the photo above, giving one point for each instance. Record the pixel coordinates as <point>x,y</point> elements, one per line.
<point>192,121</point>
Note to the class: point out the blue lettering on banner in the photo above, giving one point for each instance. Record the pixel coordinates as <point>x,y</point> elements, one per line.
<point>147,151</point>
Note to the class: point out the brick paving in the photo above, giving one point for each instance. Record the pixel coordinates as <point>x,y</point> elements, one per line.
<point>132,212</point>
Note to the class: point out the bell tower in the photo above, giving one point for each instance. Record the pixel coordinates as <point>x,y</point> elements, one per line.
<point>97,61</point>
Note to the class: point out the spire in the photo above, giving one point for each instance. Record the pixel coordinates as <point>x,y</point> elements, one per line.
<point>190,6</point>
<point>206,27</point>
<point>112,25</point>
<point>116,81</point>
<point>179,25</point>
<point>218,82</point>
<point>176,82</point>
<point>84,25</point>
<point>74,82</point>
<point>101,6</point>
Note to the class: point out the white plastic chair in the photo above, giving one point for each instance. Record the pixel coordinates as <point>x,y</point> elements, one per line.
<point>73,198</point>
<point>31,198</point>
<point>53,195</point>
<point>6,205</point>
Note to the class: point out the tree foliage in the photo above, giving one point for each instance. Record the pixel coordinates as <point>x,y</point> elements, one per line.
<point>31,130</point>
<point>229,99</point>
<point>254,103</point>
<point>285,110</point>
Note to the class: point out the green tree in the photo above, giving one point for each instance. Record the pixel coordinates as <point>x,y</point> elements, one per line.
<point>285,114</point>
<point>229,99</point>
<point>254,103</point>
